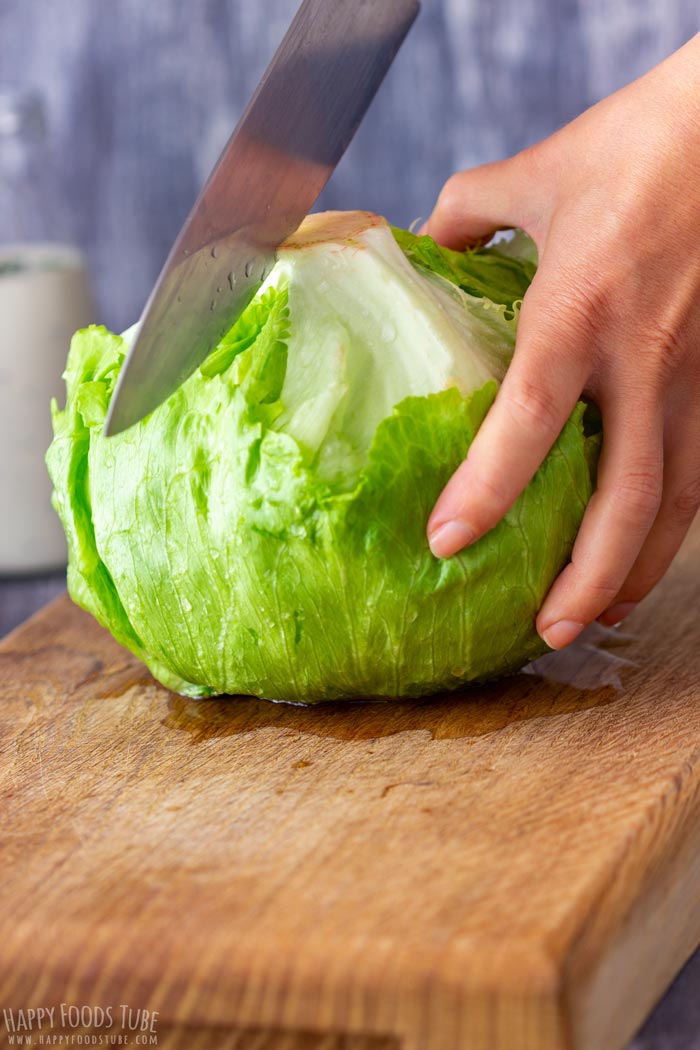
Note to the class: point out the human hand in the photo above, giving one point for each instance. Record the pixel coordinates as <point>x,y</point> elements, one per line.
<point>612,201</point>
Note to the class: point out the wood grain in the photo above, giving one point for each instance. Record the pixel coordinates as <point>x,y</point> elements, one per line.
<point>514,868</point>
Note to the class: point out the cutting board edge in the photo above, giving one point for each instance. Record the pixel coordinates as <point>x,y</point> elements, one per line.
<point>424,1014</point>
<point>606,1001</point>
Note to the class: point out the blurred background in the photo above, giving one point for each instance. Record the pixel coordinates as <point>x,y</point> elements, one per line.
<point>141,98</point>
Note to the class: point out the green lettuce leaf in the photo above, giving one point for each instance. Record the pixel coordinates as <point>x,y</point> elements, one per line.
<point>499,273</point>
<point>221,541</point>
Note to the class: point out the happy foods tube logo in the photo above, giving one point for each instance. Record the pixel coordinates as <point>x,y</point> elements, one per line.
<point>69,1025</point>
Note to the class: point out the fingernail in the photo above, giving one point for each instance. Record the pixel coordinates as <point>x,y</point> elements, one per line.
<point>450,538</point>
<point>616,613</point>
<point>562,633</point>
<point>422,230</point>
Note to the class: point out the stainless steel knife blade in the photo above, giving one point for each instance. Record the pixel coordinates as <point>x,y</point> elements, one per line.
<point>284,149</point>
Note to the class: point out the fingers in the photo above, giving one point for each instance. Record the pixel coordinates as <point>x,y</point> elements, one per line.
<point>617,521</point>
<point>474,204</point>
<point>679,505</point>
<point>543,383</point>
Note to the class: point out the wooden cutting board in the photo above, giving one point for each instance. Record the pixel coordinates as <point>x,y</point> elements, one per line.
<point>513,868</point>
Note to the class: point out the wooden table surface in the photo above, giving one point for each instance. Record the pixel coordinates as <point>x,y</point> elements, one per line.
<point>674,1024</point>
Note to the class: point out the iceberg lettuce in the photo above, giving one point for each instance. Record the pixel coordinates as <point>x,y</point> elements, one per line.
<point>263,531</point>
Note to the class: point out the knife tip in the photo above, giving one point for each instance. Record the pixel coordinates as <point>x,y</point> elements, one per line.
<point>115,425</point>
<point>123,413</point>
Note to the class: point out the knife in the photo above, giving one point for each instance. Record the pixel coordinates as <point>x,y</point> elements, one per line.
<point>281,154</point>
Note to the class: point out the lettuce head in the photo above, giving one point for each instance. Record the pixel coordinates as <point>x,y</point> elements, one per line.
<point>263,531</point>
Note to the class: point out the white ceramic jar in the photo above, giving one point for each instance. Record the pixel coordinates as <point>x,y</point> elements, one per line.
<point>44,298</point>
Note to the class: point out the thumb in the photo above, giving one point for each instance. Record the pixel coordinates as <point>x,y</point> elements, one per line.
<point>474,204</point>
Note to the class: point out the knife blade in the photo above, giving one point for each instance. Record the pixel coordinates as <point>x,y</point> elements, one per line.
<point>284,149</point>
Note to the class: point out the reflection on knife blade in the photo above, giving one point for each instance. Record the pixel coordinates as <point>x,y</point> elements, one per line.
<point>288,142</point>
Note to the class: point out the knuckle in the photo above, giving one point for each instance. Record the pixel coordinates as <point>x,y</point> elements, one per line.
<point>450,202</point>
<point>530,403</point>
<point>587,306</point>
<point>685,503</point>
<point>489,495</point>
<point>611,229</point>
<point>570,315</point>
<point>665,350</point>
<point>666,337</point>
<point>595,590</point>
<point>603,590</point>
<point>638,493</point>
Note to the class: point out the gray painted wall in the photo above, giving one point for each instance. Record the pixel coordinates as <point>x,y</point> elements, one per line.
<point>142,95</point>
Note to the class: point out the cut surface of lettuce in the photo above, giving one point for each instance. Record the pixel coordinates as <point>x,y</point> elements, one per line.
<point>263,531</point>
